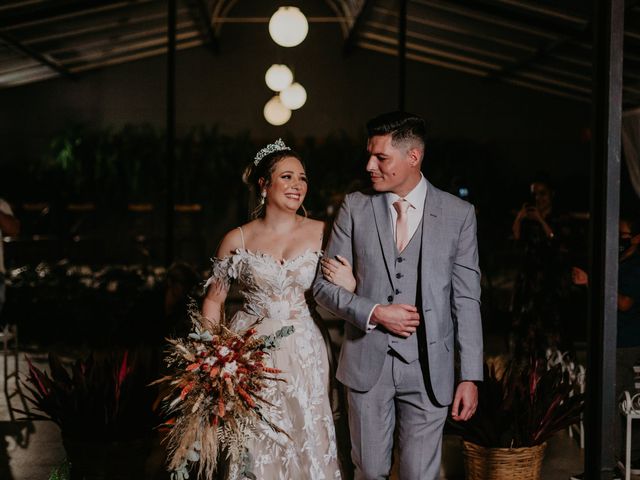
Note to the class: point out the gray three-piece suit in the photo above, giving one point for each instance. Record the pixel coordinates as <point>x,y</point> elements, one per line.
<point>395,382</point>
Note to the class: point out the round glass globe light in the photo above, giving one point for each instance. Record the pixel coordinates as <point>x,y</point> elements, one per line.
<point>275,112</point>
<point>278,77</point>
<point>294,96</point>
<point>288,27</point>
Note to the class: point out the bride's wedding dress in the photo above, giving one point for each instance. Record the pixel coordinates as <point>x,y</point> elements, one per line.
<point>278,292</point>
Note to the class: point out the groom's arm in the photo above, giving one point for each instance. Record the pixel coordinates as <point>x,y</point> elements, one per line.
<point>339,301</point>
<point>465,300</point>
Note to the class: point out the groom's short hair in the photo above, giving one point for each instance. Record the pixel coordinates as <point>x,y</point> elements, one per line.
<point>405,128</point>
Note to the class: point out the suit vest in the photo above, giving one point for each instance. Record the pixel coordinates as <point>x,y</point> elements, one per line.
<point>406,271</point>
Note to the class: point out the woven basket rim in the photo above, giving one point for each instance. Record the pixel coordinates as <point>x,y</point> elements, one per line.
<point>475,446</point>
<point>485,463</point>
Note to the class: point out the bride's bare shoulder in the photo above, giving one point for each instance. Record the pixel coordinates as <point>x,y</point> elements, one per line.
<point>315,228</point>
<point>314,225</point>
<point>230,243</point>
<point>236,238</point>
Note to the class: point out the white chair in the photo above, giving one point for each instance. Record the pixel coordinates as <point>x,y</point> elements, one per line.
<point>630,407</point>
<point>578,429</point>
<point>577,375</point>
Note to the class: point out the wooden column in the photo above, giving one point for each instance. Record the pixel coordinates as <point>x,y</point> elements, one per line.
<point>600,415</point>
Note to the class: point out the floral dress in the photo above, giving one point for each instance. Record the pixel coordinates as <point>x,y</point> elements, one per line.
<point>278,292</point>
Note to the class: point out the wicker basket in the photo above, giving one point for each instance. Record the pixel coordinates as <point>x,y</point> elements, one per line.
<point>481,463</point>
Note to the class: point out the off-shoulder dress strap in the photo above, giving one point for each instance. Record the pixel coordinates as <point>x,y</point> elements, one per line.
<point>242,237</point>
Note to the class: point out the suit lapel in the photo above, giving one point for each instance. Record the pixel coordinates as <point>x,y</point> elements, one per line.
<point>431,231</point>
<point>385,232</point>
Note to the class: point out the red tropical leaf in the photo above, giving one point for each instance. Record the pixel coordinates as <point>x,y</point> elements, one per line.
<point>36,377</point>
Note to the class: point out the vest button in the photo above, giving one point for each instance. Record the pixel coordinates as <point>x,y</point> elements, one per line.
<point>398,292</point>
<point>400,259</point>
<point>390,298</point>
<point>398,275</point>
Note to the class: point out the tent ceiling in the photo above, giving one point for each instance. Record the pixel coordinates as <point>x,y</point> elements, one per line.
<point>534,44</point>
<point>539,44</point>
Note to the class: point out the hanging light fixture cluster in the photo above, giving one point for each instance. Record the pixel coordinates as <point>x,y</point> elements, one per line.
<point>288,27</point>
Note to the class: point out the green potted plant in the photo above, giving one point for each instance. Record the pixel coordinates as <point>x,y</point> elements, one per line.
<point>521,405</point>
<point>103,407</point>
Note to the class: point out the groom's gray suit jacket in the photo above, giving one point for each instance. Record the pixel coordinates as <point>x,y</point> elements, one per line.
<point>449,283</point>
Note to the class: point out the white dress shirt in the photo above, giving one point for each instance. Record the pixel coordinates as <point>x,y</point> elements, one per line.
<point>416,199</point>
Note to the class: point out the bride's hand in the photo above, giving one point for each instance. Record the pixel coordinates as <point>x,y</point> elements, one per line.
<point>338,271</point>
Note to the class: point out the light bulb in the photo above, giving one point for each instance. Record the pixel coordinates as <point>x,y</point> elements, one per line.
<point>275,112</point>
<point>278,77</point>
<point>288,27</point>
<point>294,96</point>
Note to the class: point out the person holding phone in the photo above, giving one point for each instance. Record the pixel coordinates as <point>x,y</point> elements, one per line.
<point>542,286</point>
<point>537,210</point>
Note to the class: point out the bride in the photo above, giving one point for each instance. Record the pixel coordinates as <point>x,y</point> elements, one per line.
<point>274,259</point>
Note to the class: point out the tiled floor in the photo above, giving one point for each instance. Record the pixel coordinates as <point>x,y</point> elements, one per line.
<point>31,455</point>
<point>44,452</point>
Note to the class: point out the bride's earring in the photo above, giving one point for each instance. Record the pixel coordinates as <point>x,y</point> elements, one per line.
<point>263,195</point>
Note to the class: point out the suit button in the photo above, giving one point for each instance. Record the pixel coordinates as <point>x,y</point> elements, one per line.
<point>398,275</point>
<point>400,259</point>
<point>390,298</point>
<point>398,292</point>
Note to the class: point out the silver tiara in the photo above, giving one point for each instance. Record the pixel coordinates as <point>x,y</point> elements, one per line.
<point>277,146</point>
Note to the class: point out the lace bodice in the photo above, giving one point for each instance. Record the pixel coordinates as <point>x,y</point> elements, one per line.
<point>271,288</point>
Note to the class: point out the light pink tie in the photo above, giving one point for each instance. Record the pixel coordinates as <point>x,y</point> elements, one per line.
<point>402,224</point>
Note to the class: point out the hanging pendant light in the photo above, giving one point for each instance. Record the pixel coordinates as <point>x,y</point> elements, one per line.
<point>294,96</point>
<point>278,77</point>
<point>275,112</point>
<point>288,27</point>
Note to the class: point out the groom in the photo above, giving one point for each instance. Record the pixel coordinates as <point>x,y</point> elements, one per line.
<point>414,255</point>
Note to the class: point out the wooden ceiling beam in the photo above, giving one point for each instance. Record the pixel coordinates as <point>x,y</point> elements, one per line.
<point>34,54</point>
<point>202,18</point>
<point>354,31</point>
<point>61,10</point>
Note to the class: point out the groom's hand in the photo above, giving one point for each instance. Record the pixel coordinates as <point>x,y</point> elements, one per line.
<point>399,319</point>
<point>465,401</point>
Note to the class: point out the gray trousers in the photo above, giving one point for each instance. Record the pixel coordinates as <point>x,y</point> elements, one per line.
<point>626,358</point>
<point>399,397</point>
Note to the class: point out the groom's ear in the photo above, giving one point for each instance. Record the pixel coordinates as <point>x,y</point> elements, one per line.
<point>415,155</point>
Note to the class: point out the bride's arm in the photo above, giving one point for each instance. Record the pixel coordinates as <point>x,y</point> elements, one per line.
<point>213,304</point>
<point>217,287</point>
